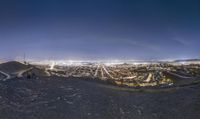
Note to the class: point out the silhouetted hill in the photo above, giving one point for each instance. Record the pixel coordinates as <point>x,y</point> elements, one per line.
<point>12,66</point>
<point>187,60</point>
<point>36,71</point>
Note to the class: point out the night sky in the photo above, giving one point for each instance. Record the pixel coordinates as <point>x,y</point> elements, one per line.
<point>100,29</point>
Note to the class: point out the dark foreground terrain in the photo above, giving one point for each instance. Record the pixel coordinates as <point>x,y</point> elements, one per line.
<point>61,98</point>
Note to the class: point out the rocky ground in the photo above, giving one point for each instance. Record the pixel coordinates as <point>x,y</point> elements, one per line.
<point>69,98</point>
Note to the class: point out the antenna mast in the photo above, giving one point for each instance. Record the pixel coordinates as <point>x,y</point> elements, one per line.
<point>24,58</point>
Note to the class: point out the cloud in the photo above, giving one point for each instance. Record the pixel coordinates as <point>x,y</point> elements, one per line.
<point>181,41</point>
<point>146,45</point>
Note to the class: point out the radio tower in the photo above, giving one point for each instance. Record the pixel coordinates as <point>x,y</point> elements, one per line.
<point>24,58</point>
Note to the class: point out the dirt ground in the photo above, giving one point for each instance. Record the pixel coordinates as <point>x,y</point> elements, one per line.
<point>69,98</point>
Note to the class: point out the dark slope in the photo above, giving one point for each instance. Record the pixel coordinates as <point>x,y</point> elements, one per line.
<point>12,67</point>
<point>39,72</point>
<point>68,98</point>
<point>2,76</point>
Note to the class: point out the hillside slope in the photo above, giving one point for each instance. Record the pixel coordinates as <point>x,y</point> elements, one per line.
<point>12,67</point>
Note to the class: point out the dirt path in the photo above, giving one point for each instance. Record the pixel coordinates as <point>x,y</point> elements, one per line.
<point>20,73</point>
<point>7,75</point>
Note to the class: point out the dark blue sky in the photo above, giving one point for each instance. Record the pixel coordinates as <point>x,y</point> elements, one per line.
<point>100,29</point>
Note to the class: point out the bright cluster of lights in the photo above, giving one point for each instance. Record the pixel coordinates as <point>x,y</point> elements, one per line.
<point>52,63</point>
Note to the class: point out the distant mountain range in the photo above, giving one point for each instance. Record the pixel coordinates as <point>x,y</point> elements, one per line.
<point>187,60</point>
